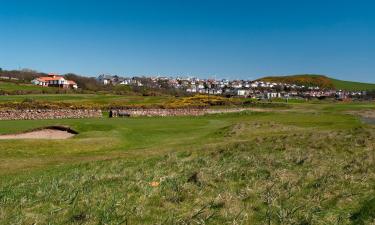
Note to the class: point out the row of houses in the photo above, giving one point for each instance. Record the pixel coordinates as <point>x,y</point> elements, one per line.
<point>8,78</point>
<point>117,80</point>
<point>193,84</point>
<point>240,88</point>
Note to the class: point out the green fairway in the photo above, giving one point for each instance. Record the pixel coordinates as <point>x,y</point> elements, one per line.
<point>305,165</point>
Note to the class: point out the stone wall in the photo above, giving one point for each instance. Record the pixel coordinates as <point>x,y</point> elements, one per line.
<point>171,112</point>
<point>38,114</point>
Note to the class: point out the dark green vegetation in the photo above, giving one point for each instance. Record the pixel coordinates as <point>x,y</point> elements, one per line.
<point>321,81</point>
<point>308,164</point>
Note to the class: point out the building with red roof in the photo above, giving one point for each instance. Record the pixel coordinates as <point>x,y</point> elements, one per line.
<point>53,80</point>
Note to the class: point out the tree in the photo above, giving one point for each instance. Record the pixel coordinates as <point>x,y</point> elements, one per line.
<point>86,83</point>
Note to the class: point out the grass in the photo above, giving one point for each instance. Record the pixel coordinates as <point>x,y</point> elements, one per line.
<point>352,86</point>
<point>87,99</point>
<point>307,165</point>
<point>10,86</point>
<point>321,81</point>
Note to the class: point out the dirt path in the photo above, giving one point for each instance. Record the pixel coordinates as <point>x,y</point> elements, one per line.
<point>40,134</point>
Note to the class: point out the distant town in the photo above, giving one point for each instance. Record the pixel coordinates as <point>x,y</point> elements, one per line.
<point>242,88</point>
<point>257,89</point>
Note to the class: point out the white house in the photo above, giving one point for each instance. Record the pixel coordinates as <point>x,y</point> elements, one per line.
<point>53,80</point>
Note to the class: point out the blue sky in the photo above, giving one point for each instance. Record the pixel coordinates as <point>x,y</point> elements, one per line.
<point>227,39</point>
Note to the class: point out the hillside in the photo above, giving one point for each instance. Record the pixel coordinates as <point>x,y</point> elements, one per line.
<point>320,81</point>
<point>352,86</point>
<point>7,87</point>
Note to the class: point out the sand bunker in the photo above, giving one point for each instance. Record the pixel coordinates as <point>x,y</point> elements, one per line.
<point>43,133</point>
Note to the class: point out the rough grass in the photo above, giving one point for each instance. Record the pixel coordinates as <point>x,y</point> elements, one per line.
<point>256,182</point>
<point>242,168</point>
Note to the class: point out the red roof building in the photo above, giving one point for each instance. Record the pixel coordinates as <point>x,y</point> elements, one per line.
<point>53,80</point>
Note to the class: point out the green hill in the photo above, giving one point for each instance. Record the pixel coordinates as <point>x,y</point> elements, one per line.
<point>352,86</point>
<point>320,81</point>
<point>21,88</point>
<point>12,86</point>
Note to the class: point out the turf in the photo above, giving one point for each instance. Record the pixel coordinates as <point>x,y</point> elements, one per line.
<point>307,165</point>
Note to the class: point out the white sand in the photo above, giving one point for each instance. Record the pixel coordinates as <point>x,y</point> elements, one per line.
<point>40,134</point>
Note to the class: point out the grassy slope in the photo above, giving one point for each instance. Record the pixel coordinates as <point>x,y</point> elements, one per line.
<point>10,86</point>
<point>274,167</point>
<point>352,86</point>
<point>322,81</point>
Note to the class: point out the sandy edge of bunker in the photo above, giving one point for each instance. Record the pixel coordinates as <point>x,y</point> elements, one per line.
<point>51,132</point>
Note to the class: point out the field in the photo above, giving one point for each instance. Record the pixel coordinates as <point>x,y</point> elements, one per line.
<point>305,164</point>
<point>86,99</point>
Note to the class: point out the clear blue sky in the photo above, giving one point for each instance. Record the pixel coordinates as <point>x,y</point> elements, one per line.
<point>232,39</point>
